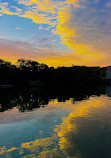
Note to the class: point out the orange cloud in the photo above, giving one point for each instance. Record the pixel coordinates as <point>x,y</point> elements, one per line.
<point>11,51</point>
<point>59,15</point>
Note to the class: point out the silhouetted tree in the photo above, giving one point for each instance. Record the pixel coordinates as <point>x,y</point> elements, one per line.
<point>28,72</point>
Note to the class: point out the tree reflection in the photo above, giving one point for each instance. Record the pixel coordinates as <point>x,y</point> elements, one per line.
<point>29,98</point>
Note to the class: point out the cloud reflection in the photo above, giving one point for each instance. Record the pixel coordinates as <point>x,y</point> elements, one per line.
<point>82,134</point>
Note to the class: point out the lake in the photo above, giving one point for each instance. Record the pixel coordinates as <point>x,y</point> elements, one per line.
<point>73,123</point>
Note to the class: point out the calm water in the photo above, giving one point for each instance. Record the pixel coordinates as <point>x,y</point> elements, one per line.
<point>35,125</point>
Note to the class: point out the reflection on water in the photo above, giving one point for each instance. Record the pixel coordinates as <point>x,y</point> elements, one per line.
<point>29,99</point>
<point>69,126</point>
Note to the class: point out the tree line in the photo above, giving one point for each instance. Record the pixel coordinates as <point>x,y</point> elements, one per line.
<point>33,73</point>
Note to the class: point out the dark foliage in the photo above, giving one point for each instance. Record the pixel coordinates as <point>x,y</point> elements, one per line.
<point>27,72</point>
<point>34,84</point>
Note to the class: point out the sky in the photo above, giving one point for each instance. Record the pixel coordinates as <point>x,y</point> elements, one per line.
<point>56,32</point>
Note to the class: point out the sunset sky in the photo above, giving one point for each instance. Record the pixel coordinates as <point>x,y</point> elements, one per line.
<point>56,32</point>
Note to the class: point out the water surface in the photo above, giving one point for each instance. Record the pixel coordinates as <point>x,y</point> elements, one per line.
<point>35,126</point>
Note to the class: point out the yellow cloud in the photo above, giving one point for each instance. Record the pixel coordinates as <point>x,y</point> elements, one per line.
<point>58,15</point>
<point>65,29</point>
<point>5,10</point>
<point>37,18</point>
<point>68,35</point>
